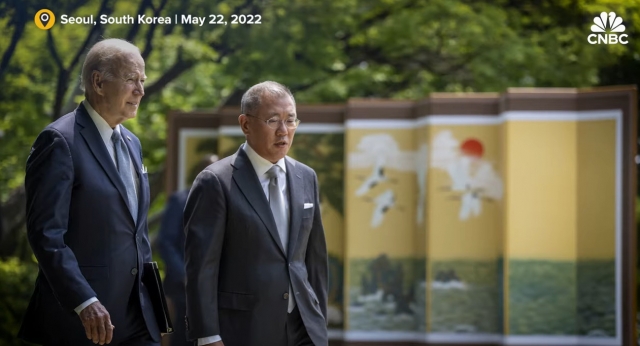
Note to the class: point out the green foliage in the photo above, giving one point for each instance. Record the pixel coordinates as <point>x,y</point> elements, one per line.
<point>596,297</point>
<point>477,306</point>
<point>542,297</point>
<point>16,285</point>
<point>326,51</point>
<point>562,297</point>
<point>387,293</point>
<point>234,144</point>
<point>325,154</point>
<point>336,288</point>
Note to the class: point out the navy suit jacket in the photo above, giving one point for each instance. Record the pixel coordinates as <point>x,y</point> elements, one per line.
<point>171,245</point>
<point>85,239</point>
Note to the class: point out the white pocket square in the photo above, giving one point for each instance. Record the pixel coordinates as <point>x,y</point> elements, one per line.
<point>308,205</point>
<point>144,169</point>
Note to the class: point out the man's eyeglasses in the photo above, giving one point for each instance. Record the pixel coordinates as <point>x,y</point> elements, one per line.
<point>274,122</point>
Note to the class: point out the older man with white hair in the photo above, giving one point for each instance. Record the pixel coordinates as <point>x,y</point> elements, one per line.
<point>87,203</point>
<point>255,251</point>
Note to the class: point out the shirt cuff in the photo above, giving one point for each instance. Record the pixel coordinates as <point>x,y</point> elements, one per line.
<point>88,302</point>
<point>209,340</point>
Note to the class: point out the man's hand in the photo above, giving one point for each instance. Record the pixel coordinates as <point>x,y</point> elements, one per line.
<point>97,323</point>
<point>217,343</point>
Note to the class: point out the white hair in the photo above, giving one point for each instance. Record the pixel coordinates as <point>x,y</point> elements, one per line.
<point>102,57</point>
<point>252,98</point>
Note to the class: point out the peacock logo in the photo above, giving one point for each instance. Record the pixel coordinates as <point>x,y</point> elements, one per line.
<point>614,25</point>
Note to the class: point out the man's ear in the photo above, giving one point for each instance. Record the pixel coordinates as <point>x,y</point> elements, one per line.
<point>243,120</point>
<point>97,82</point>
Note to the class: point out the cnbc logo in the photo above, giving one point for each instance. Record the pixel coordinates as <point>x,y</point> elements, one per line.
<point>44,19</point>
<point>604,22</point>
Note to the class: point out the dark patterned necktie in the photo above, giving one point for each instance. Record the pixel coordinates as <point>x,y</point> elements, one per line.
<point>123,164</point>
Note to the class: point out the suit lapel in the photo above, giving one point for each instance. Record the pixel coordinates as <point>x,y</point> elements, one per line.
<point>134,153</point>
<point>247,180</point>
<point>99,150</point>
<point>296,203</point>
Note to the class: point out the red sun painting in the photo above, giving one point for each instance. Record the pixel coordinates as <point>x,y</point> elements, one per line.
<point>472,147</point>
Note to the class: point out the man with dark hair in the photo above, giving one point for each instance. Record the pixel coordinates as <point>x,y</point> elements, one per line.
<point>87,202</point>
<point>171,247</point>
<point>256,256</point>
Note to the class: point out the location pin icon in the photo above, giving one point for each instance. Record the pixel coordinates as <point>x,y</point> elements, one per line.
<point>44,19</point>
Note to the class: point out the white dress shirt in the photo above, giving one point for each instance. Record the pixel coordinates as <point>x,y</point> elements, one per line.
<point>261,166</point>
<point>105,133</point>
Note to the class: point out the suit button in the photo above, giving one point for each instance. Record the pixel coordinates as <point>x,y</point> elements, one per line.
<point>285,296</point>
<point>134,271</point>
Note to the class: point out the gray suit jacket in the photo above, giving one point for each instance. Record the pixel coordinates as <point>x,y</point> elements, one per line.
<point>237,271</point>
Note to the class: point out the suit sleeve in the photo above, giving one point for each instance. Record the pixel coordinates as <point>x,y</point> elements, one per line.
<point>204,226</point>
<point>48,184</point>
<point>316,261</point>
<point>146,243</point>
